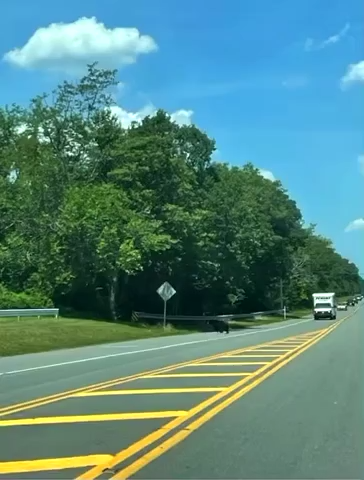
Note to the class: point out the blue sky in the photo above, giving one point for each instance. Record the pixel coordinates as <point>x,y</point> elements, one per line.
<point>262,77</point>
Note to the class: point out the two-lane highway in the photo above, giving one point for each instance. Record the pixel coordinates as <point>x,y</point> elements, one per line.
<point>30,376</point>
<point>284,402</point>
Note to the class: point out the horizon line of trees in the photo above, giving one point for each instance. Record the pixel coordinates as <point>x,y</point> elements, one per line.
<point>94,217</point>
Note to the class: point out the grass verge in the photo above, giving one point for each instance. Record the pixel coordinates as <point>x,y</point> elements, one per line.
<point>30,335</point>
<point>274,318</point>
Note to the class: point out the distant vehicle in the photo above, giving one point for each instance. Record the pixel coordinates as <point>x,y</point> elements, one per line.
<point>342,306</point>
<point>351,302</point>
<point>324,305</point>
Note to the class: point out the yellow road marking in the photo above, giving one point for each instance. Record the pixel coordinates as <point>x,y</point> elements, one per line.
<point>107,417</point>
<point>182,434</point>
<point>312,334</point>
<point>291,342</point>
<point>160,433</point>
<point>143,443</point>
<point>252,356</point>
<point>271,350</point>
<point>151,391</point>
<point>46,464</point>
<point>104,461</point>
<point>187,375</point>
<point>292,338</point>
<point>221,364</point>
<point>37,402</point>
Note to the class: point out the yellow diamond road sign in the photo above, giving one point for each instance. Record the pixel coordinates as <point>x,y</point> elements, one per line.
<point>166,291</point>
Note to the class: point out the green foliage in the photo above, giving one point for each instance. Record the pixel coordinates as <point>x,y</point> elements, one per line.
<point>96,217</point>
<point>27,299</point>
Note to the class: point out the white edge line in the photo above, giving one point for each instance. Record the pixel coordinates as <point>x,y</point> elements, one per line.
<point>116,345</point>
<point>120,354</point>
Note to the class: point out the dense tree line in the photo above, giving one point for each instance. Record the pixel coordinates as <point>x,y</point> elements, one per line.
<point>94,217</point>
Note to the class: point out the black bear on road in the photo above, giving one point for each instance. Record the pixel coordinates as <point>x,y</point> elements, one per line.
<point>220,326</point>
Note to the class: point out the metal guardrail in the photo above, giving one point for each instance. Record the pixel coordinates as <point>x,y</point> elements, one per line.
<point>136,316</point>
<point>30,312</point>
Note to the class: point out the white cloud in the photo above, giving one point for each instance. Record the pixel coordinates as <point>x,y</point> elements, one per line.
<point>361,163</point>
<point>69,47</point>
<point>310,44</point>
<point>336,38</point>
<point>294,82</point>
<point>126,118</point>
<point>357,224</point>
<point>181,117</point>
<point>354,74</point>
<point>267,174</point>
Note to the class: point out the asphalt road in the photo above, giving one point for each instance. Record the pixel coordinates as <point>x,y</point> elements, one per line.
<point>30,376</point>
<point>283,402</point>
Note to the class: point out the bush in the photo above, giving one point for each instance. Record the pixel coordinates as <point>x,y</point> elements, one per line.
<point>27,299</point>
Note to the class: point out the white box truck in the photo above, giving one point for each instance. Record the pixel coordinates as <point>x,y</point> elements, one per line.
<point>324,305</point>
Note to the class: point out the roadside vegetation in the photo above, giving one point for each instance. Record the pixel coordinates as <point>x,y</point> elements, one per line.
<point>30,335</point>
<point>94,217</point>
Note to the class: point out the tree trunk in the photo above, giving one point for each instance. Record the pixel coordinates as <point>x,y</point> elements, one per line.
<point>113,289</point>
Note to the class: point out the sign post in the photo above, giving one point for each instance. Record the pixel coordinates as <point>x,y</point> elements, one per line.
<point>166,292</point>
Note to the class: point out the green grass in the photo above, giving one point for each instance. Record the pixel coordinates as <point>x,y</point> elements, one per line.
<point>30,335</point>
<point>344,299</point>
<point>299,313</point>
<point>294,314</point>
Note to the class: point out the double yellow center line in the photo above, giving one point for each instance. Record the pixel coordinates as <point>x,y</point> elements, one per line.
<point>182,427</point>
<point>40,401</point>
<point>141,453</point>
